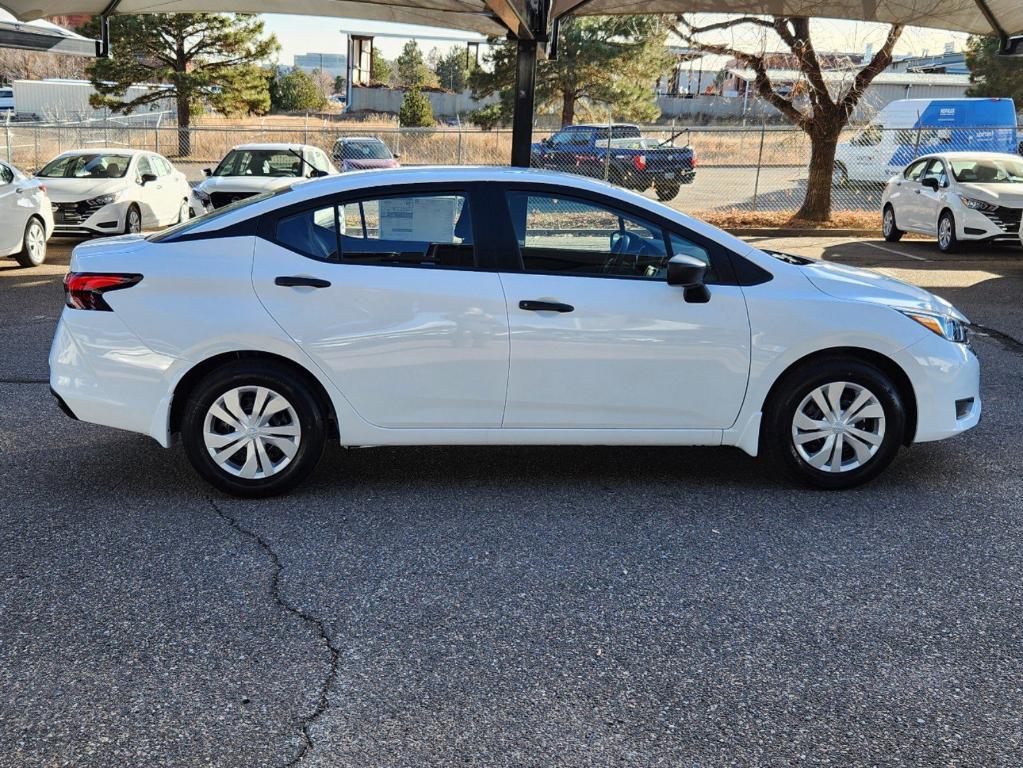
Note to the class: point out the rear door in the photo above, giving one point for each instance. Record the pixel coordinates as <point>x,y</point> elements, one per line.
<point>599,340</point>
<point>386,292</point>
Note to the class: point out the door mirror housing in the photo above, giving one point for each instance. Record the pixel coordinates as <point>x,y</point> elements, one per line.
<point>689,272</point>
<point>316,173</point>
<point>931,183</point>
<point>207,171</point>
<point>148,177</point>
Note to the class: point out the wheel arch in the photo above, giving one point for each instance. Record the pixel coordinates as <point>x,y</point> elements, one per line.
<point>187,383</point>
<point>877,359</point>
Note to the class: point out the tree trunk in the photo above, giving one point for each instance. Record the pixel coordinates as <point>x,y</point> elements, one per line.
<point>567,108</point>
<point>184,123</point>
<point>823,143</point>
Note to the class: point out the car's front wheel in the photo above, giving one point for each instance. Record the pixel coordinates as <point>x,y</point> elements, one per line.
<point>947,240</point>
<point>251,429</point>
<point>834,423</point>
<point>133,220</point>
<point>33,244</point>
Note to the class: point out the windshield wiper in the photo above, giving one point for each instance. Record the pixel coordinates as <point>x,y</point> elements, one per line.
<point>306,162</point>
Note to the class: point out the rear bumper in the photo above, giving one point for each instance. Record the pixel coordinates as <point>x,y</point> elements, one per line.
<point>102,373</point>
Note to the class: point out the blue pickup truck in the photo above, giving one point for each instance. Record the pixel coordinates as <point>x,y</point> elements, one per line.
<point>621,154</point>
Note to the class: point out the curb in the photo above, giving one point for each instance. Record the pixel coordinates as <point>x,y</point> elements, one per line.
<point>782,232</point>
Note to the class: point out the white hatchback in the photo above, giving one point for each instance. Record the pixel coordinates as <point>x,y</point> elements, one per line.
<point>485,306</point>
<point>957,197</point>
<point>114,191</point>
<point>26,221</point>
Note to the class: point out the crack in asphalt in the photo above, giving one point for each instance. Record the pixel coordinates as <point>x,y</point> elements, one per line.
<point>1010,343</point>
<point>275,593</point>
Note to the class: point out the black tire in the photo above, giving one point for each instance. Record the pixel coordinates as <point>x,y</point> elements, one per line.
<point>305,410</point>
<point>947,242</point>
<point>778,441</point>
<point>33,244</point>
<point>889,227</point>
<point>129,221</point>
<point>667,190</point>
<point>840,175</point>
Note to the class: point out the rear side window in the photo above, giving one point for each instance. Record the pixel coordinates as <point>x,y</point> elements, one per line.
<point>312,233</point>
<point>432,230</point>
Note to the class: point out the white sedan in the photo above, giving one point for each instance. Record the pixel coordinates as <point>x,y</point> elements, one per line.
<point>956,196</point>
<point>26,221</point>
<point>250,169</point>
<point>484,306</point>
<point>114,191</point>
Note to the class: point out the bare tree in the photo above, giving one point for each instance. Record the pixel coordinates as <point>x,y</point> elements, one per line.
<point>823,113</point>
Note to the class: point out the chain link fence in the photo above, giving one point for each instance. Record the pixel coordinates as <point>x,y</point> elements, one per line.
<point>740,169</point>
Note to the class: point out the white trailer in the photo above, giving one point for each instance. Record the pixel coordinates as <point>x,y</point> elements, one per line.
<point>57,100</point>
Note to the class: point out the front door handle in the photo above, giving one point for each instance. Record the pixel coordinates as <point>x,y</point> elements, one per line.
<point>294,281</point>
<point>544,306</point>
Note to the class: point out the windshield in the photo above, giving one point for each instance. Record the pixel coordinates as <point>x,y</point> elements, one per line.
<point>365,150</point>
<point>86,167</point>
<point>260,162</point>
<point>988,170</point>
<point>206,218</point>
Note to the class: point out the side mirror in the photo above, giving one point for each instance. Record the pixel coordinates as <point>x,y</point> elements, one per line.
<point>316,173</point>
<point>396,155</point>
<point>148,177</point>
<point>207,171</point>
<point>689,273</point>
<point>931,183</point>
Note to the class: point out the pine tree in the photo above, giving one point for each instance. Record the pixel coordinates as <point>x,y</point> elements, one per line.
<point>416,110</point>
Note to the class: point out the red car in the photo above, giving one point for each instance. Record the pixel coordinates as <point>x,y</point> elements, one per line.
<point>360,153</point>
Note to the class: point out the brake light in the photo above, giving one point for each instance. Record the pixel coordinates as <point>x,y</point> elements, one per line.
<point>84,290</point>
<point>692,161</point>
<point>639,161</point>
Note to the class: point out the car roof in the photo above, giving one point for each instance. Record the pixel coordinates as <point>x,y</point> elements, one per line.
<point>278,145</point>
<point>359,138</point>
<point>106,151</point>
<point>964,155</point>
<point>600,125</point>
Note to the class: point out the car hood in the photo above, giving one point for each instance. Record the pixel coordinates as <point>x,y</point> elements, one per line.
<point>358,165</point>
<point>73,190</point>
<point>854,284</point>
<point>245,183</point>
<point>1010,195</point>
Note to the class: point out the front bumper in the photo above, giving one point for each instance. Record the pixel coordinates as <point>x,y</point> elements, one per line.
<point>78,218</point>
<point>946,382</point>
<point>1003,224</point>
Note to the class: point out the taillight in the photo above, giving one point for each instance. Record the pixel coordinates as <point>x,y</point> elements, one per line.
<point>84,290</point>
<point>692,161</point>
<point>639,161</point>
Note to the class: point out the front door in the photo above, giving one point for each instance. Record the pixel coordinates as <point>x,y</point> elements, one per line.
<point>15,209</point>
<point>931,201</point>
<point>385,294</point>
<point>599,339</point>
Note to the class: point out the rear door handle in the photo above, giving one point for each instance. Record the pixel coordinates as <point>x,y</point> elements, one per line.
<point>544,306</point>
<point>294,281</point>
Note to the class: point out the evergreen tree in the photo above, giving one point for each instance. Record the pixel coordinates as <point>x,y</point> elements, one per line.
<point>411,70</point>
<point>295,91</point>
<point>416,110</point>
<point>992,75</point>
<point>453,71</point>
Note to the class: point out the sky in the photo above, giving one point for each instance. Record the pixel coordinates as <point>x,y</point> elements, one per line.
<point>314,34</point>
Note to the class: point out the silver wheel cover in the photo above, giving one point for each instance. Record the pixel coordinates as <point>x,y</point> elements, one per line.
<point>838,427</point>
<point>134,221</point>
<point>252,432</point>
<point>35,242</point>
<point>945,231</point>
<point>888,222</point>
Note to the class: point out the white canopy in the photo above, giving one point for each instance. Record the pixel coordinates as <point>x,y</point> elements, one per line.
<point>497,17</point>
<point>42,36</point>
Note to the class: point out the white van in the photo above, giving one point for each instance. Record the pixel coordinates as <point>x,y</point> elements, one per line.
<point>907,128</point>
<point>6,99</point>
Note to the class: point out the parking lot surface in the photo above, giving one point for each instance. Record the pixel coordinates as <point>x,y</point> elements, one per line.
<point>514,606</point>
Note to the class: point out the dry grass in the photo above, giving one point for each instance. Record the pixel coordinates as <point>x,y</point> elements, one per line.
<point>869,220</point>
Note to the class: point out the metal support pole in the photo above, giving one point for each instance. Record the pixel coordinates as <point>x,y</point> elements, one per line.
<point>459,119</point>
<point>760,158</point>
<point>525,86</point>
<point>7,132</point>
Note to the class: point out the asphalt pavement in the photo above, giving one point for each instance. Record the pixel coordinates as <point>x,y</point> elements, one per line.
<point>514,606</point>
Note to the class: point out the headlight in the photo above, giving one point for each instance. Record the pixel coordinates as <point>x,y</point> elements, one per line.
<point>104,199</point>
<point>947,327</point>
<point>977,205</point>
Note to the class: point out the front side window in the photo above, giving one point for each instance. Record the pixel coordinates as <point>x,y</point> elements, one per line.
<point>87,166</point>
<point>6,174</point>
<point>260,162</point>
<point>565,236</point>
<point>915,169</point>
<point>936,170</point>
<point>424,230</point>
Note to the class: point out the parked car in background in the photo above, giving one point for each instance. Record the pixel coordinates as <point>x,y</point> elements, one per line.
<point>620,154</point>
<point>6,99</point>
<point>26,220</point>
<point>357,153</point>
<point>956,197</point>
<point>487,306</point>
<point>909,128</point>
<point>113,191</point>
<point>251,169</point>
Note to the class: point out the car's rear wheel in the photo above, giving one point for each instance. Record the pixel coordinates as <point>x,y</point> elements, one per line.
<point>834,423</point>
<point>947,240</point>
<point>252,430</point>
<point>839,175</point>
<point>33,244</point>
<point>667,190</point>
<point>133,220</point>
<point>889,228</point>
